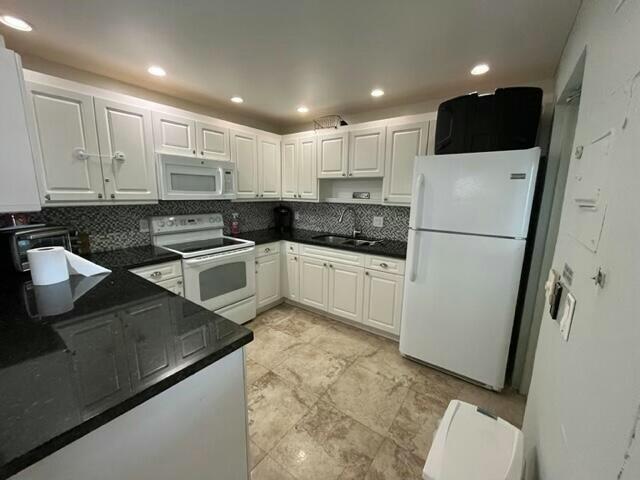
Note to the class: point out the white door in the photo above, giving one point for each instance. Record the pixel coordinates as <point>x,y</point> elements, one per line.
<point>289,168</point>
<point>174,134</point>
<point>307,169</point>
<point>125,137</point>
<point>19,190</point>
<point>487,193</point>
<point>314,282</point>
<point>366,152</point>
<point>403,143</point>
<point>383,301</point>
<point>244,153</point>
<point>333,155</point>
<point>212,141</point>
<point>269,167</point>
<point>267,280</point>
<point>65,124</point>
<point>291,277</point>
<point>346,291</point>
<point>459,302</point>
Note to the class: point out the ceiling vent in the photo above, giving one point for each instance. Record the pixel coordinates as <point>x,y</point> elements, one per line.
<point>328,121</point>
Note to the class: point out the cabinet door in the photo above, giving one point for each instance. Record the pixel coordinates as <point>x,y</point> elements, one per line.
<point>332,155</point>
<point>65,124</point>
<point>126,145</point>
<point>366,152</point>
<point>289,168</point>
<point>269,167</point>
<point>244,153</point>
<point>149,343</point>
<point>404,142</point>
<point>307,169</point>
<point>383,301</point>
<point>314,281</point>
<point>175,135</point>
<point>212,141</point>
<point>345,291</point>
<point>267,280</point>
<point>291,277</point>
<point>99,362</point>
<point>18,186</point>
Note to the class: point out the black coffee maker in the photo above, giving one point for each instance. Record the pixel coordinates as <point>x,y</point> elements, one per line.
<point>283,218</point>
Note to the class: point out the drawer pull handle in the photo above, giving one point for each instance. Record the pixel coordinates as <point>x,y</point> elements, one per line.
<point>156,275</point>
<point>384,265</point>
<point>267,250</point>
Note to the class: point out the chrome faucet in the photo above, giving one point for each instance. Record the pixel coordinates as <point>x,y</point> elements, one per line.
<point>356,232</point>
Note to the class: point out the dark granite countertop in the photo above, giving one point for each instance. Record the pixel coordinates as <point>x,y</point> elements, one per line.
<point>133,257</point>
<point>65,366</point>
<point>386,248</point>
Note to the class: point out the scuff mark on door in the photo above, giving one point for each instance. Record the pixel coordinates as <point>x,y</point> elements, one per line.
<point>632,438</point>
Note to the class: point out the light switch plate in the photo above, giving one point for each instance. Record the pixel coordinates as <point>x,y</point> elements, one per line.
<point>144,225</point>
<point>567,316</point>
<point>378,222</point>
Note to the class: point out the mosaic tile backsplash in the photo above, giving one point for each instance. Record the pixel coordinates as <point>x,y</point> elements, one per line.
<point>113,227</point>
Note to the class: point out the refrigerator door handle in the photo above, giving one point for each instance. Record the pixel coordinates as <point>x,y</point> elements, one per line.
<point>415,258</point>
<point>419,196</point>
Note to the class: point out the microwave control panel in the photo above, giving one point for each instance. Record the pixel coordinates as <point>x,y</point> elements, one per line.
<point>228,181</point>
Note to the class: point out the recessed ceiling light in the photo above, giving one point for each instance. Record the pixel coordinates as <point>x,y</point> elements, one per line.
<point>377,92</point>
<point>302,109</point>
<point>237,99</point>
<point>156,71</point>
<point>15,22</point>
<point>480,69</point>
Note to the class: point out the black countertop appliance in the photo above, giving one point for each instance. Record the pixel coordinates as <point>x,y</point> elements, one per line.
<point>283,218</point>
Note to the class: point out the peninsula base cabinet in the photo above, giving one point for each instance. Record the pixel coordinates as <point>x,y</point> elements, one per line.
<point>364,289</point>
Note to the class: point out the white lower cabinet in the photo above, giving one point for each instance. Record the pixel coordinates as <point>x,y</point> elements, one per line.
<point>291,276</point>
<point>383,301</point>
<point>345,291</point>
<point>267,280</point>
<point>166,275</point>
<point>314,282</point>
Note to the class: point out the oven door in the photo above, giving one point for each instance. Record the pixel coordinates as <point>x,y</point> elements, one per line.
<point>218,280</point>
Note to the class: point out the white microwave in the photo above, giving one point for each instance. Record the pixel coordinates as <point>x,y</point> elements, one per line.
<point>191,178</point>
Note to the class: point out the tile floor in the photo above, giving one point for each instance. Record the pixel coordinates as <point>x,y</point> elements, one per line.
<point>328,401</point>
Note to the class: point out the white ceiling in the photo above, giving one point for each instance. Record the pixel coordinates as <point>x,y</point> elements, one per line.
<point>278,54</point>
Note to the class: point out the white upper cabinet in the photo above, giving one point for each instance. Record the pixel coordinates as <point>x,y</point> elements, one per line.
<point>173,134</point>
<point>66,145</point>
<point>404,142</point>
<point>269,166</point>
<point>307,169</point>
<point>289,167</point>
<point>366,152</point>
<point>125,139</point>
<point>333,155</point>
<point>18,186</point>
<point>212,141</point>
<point>244,153</point>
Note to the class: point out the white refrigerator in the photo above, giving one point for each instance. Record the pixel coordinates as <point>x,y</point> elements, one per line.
<point>467,235</point>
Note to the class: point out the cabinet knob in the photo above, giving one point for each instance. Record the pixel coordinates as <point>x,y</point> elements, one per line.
<point>267,250</point>
<point>366,273</point>
<point>194,152</point>
<point>106,180</point>
<point>257,195</point>
<point>351,174</point>
<point>295,258</point>
<point>99,195</point>
<point>386,198</point>
<point>330,266</point>
<point>179,282</point>
<point>384,265</point>
<point>344,174</point>
<point>47,196</point>
<point>202,153</point>
<point>113,195</point>
<point>324,264</point>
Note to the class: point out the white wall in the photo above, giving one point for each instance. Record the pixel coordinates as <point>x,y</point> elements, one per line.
<point>585,394</point>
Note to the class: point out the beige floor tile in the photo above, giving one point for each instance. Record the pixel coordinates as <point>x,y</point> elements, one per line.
<point>267,469</point>
<point>298,323</point>
<point>507,404</point>
<point>253,371</point>
<point>256,454</point>
<point>395,463</point>
<point>437,384</point>
<point>368,397</point>
<point>310,368</point>
<point>391,365</point>
<point>274,407</point>
<point>270,347</point>
<point>326,445</point>
<point>338,341</point>
<point>416,422</point>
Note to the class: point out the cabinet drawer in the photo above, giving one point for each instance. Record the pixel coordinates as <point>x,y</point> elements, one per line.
<point>267,249</point>
<point>334,255</point>
<point>174,285</point>
<point>384,264</point>
<point>290,247</point>
<point>160,272</point>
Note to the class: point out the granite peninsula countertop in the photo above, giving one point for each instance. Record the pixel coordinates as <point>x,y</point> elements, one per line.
<point>66,365</point>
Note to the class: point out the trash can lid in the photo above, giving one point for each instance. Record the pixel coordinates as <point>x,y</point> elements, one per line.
<point>472,443</point>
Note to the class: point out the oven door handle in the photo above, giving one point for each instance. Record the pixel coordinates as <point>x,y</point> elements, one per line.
<point>217,256</point>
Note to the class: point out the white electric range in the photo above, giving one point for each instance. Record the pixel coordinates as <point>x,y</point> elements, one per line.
<point>219,271</point>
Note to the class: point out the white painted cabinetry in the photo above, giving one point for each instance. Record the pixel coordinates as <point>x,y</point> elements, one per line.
<point>212,141</point>
<point>18,186</point>
<point>299,168</point>
<point>383,301</point>
<point>244,153</point>
<point>366,152</point>
<point>314,282</point>
<point>291,276</point>
<point>267,280</point>
<point>289,167</point>
<point>345,291</point>
<point>167,275</point>
<point>174,134</point>
<point>269,162</point>
<point>333,154</point>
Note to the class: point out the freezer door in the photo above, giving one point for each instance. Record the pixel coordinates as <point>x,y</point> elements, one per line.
<point>486,193</point>
<point>459,302</point>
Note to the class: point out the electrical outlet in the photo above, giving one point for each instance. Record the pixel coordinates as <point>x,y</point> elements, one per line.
<point>378,222</point>
<point>296,215</point>
<point>144,225</point>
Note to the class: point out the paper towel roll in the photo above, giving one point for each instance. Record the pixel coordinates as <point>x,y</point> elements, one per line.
<point>48,265</point>
<point>54,299</point>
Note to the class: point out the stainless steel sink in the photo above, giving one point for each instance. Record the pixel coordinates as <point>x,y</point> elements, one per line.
<point>360,243</point>
<point>333,239</point>
<point>339,240</point>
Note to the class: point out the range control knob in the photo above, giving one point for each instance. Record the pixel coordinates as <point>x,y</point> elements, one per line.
<point>171,223</point>
<point>212,220</point>
<point>161,223</point>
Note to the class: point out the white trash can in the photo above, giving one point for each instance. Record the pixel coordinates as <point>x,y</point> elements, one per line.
<point>471,444</point>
